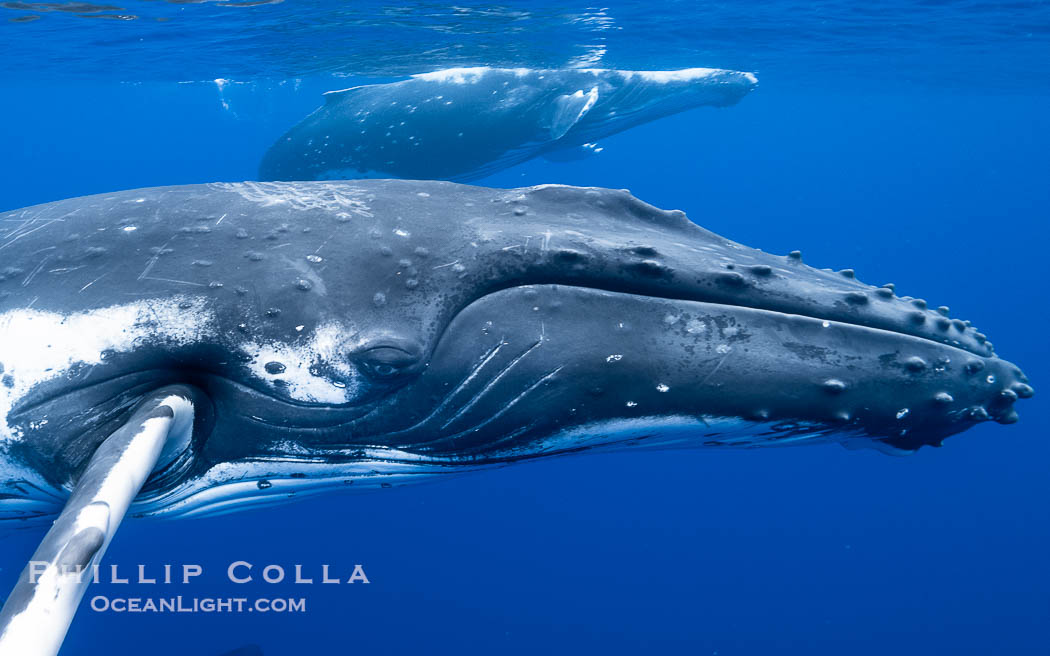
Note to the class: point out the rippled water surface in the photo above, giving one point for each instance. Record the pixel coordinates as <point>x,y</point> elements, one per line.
<point>995,43</point>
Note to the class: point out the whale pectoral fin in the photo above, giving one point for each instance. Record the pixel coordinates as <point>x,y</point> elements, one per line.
<point>37,613</point>
<point>569,109</point>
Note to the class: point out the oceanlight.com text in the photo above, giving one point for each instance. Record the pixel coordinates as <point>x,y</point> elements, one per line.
<point>181,604</point>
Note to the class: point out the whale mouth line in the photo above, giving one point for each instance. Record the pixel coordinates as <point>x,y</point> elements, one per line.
<point>209,382</point>
<point>22,407</point>
<point>118,394</point>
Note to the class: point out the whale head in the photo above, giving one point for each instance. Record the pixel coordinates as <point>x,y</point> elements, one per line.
<point>355,334</point>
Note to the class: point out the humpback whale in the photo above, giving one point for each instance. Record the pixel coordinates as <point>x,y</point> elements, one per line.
<point>465,123</point>
<point>199,349</point>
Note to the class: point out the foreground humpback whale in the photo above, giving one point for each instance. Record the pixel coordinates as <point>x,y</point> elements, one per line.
<point>242,343</point>
<point>465,123</point>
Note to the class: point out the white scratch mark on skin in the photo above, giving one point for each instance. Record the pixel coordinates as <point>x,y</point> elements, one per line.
<point>220,219</point>
<point>91,283</point>
<point>156,257</point>
<point>717,366</point>
<point>442,266</point>
<point>33,274</point>
<point>22,230</point>
<point>463,384</point>
<point>324,243</point>
<point>19,235</point>
<point>181,282</point>
<point>63,270</point>
<point>327,196</point>
<point>503,410</point>
<point>492,383</point>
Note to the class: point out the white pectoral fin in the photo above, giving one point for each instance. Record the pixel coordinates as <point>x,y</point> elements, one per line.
<point>569,109</point>
<point>37,613</point>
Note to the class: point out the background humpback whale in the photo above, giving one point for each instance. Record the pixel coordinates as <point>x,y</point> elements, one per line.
<point>240,343</point>
<point>465,123</point>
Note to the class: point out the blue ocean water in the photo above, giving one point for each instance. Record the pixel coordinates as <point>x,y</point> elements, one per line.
<point>908,141</point>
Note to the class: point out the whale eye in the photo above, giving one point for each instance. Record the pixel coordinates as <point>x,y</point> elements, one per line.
<point>387,362</point>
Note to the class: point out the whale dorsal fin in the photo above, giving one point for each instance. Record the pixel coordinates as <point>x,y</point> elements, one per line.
<point>569,109</point>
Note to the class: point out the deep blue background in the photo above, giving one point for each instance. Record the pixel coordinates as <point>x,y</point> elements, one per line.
<point>943,190</point>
